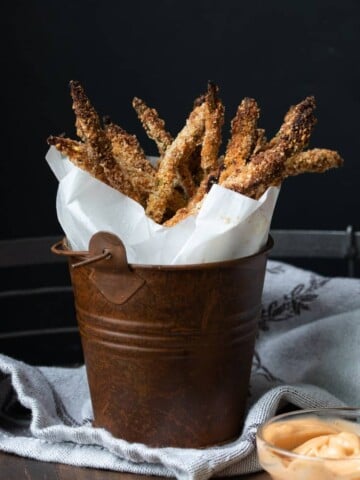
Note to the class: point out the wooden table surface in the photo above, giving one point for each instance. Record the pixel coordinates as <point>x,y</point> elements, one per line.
<point>13,467</point>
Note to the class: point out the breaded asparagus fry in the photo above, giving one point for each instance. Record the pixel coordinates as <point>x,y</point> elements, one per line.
<point>267,167</point>
<point>87,119</point>
<point>80,154</point>
<point>128,148</point>
<point>178,152</point>
<point>189,164</point>
<point>100,161</point>
<point>76,151</point>
<point>311,161</point>
<point>243,137</point>
<point>155,128</point>
<point>276,138</point>
<point>255,178</point>
<point>317,160</point>
<point>87,125</point>
<point>153,125</point>
<point>214,119</point>
<point>294,134</point>
<point>130,156</point>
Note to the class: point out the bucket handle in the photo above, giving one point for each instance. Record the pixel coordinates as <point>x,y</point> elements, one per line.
<point>58,249</point>
<point>110,271</point>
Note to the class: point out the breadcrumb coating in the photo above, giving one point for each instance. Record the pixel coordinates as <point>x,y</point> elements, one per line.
<point>214,120</point>
<point>99,161</point>
<point>265,168</point>
<point>129,155</point>
<point>76,151</point>
<point>178,152</point>
<point>153,125</point>
<point>189,163</point>
<point>317,160</point>
<point>243,137</point>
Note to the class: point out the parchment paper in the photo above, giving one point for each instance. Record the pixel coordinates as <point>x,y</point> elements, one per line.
<point>228,226</point>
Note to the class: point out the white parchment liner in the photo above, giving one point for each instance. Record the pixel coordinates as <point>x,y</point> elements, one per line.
<point>228,226</point>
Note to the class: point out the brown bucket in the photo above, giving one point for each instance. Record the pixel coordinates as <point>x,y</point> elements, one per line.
<point>168,349</point>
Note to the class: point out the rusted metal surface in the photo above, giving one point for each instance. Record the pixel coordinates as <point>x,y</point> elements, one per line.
<point>168,350</point>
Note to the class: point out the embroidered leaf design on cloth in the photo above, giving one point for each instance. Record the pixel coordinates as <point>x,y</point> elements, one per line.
<point>293,303</point>
<point>309,297</point>
<point>275,309</point>
<point>258,368</point>
<point>276,269</point>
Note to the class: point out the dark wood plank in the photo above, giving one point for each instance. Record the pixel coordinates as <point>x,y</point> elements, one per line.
<point>13,467</point>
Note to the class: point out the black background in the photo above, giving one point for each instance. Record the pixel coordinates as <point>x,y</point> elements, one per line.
<point>165,51</point>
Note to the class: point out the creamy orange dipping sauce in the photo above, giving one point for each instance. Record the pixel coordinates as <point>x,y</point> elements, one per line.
<point>331,447</point>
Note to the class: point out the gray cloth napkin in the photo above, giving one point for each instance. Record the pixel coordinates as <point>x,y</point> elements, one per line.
<point>307,354</point>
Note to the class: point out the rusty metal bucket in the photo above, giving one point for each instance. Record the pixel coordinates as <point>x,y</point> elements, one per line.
<point>168,349</point>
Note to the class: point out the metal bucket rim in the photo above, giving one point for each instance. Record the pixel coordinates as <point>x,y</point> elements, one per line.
<point>191,266</point>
